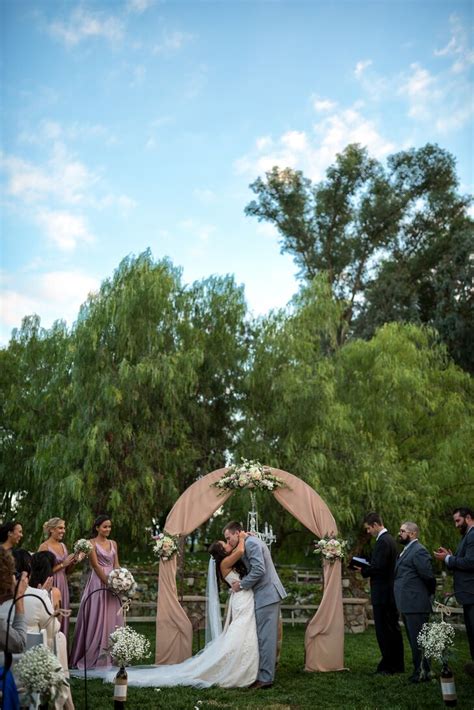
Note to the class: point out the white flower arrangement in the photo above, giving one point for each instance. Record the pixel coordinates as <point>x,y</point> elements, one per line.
<point>331,548</point>
<point>166,546</point>
<point>39,671</point>
<point>249,474</point>
<point>121,581</point>
<point>126,646</point>
<point>435,640</point>
<point>84,546</point>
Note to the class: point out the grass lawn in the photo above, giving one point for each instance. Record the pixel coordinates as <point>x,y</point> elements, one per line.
<point>295,689</point>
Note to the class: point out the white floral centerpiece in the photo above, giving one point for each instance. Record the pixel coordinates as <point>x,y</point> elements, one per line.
<point>166,546</point>
<point>84,546</point>
<point>40,672</point>
<point>249,474</point>
<point>121,581</point>
<point>436,639</point>
<point>331,548</point>
<point>127,646</point>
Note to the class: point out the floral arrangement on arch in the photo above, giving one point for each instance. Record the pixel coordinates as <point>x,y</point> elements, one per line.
<point>332,548</point>
<point>39,671</point>
<point>127,646</point>
<point>248,474</point>
<point>436,639</point>
<point>166,546</point>
<point>84,546</point>
<point>122,582</point>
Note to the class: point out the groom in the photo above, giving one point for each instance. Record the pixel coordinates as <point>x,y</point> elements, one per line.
<point>268,592</point>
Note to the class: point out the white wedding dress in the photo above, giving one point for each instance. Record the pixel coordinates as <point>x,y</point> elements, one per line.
<point>230,660</point>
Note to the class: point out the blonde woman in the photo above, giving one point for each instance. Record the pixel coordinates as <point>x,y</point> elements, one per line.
<point>55,530</point>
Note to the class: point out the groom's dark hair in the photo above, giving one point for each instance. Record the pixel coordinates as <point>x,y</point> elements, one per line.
<point>373,518</point>
<point>232,527</point>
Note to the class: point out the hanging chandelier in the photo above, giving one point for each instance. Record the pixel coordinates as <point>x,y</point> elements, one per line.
<point>267,536</point>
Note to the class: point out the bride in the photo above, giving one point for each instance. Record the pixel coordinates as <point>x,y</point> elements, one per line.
<point>230,660</point>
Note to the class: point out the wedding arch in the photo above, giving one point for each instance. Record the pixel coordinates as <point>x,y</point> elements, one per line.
<point>324,637</point>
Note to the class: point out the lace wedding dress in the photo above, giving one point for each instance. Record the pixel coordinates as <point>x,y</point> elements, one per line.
<point>230,660</point>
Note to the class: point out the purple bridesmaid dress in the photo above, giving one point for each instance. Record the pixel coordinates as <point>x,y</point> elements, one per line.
<point>100,614</point>
<point>60,581</point>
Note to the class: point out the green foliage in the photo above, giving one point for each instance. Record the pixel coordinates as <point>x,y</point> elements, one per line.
<point>396,242</point>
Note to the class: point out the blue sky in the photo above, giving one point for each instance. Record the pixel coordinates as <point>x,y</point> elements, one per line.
<point>130,124</point>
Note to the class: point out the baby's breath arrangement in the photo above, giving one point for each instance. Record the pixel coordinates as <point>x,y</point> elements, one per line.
<point>435,640</point>
<point>84,546</point>
<point>39,671</point>
<point>126,646</point>
<point>248,474</point>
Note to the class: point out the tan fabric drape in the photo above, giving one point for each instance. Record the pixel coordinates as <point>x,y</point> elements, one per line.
<point>324,638</point>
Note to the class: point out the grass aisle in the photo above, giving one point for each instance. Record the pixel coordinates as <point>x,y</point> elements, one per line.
<point>294,689</point>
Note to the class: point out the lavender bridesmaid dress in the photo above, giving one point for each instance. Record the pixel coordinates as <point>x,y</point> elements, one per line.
<point>100,614</point>
<point>60,581</point>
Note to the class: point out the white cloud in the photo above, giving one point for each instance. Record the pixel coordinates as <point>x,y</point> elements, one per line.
<point>64,229</point>
<point>321,105</point>
<point>458,47</point>
<point>84,24</point>
<point>263,143</point>
<point>198,229</point>
<point>172,42</point>
<point>139,6</point>
<point>52,295</point>
<point>267,230</point>
<point>361,67</point>
<point>314,152</point>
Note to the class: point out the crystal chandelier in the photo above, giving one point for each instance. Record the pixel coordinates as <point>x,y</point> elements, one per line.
<point>267,536</point>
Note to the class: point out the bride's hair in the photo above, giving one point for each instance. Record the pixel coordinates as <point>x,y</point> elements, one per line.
<point>217,551</point>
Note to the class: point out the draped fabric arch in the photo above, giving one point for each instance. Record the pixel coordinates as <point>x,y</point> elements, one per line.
<point>324,638</point>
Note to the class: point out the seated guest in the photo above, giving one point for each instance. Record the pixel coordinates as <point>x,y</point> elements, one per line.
<point>17,631</point>
<point>10,534</point>
<point>41,617</point>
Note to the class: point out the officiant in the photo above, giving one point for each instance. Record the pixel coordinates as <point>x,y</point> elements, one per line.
<point>380,570</point>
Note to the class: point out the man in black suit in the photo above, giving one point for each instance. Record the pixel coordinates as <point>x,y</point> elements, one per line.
<point>462,565</point>
<point>381,571</point>
<point>414,585</point>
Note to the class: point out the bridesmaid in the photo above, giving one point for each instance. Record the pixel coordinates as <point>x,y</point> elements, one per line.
<point>55,529</point>
<point>98,614</point>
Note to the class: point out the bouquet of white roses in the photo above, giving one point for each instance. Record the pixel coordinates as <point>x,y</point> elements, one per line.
<point>249,474</point>
<point>39,671</point>
<point>331,548</point>
<point>435,640</point>
<point>121,581</point>
<point>126,646</point>
<point>165,546</point>
<point>84,546</point>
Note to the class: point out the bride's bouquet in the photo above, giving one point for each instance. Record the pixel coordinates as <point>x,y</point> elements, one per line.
<point>121,581</point>
<point>84,546</point>
<point>127,646</point>
<point>331,548</point>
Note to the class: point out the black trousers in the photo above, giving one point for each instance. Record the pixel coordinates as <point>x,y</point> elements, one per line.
<point>469,622</point>
<point>413,624</point>
<point>389,638</point>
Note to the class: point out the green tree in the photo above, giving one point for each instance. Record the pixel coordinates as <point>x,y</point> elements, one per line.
<point>395,241</point>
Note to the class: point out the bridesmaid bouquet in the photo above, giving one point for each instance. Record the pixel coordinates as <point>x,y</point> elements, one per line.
<point>331,548</point>
<point>121,581</point>
<point>40,672</point>
<point>127,646</point>
<point>249,474</point>
<point>84,546</point>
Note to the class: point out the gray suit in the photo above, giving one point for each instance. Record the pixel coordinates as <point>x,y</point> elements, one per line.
<point>413,584</point>
<point>268,592</point>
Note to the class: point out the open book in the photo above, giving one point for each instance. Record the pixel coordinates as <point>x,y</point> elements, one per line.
<point>359,562</point>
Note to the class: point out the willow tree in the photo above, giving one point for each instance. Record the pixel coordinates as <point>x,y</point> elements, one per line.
<point>380,424</point>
